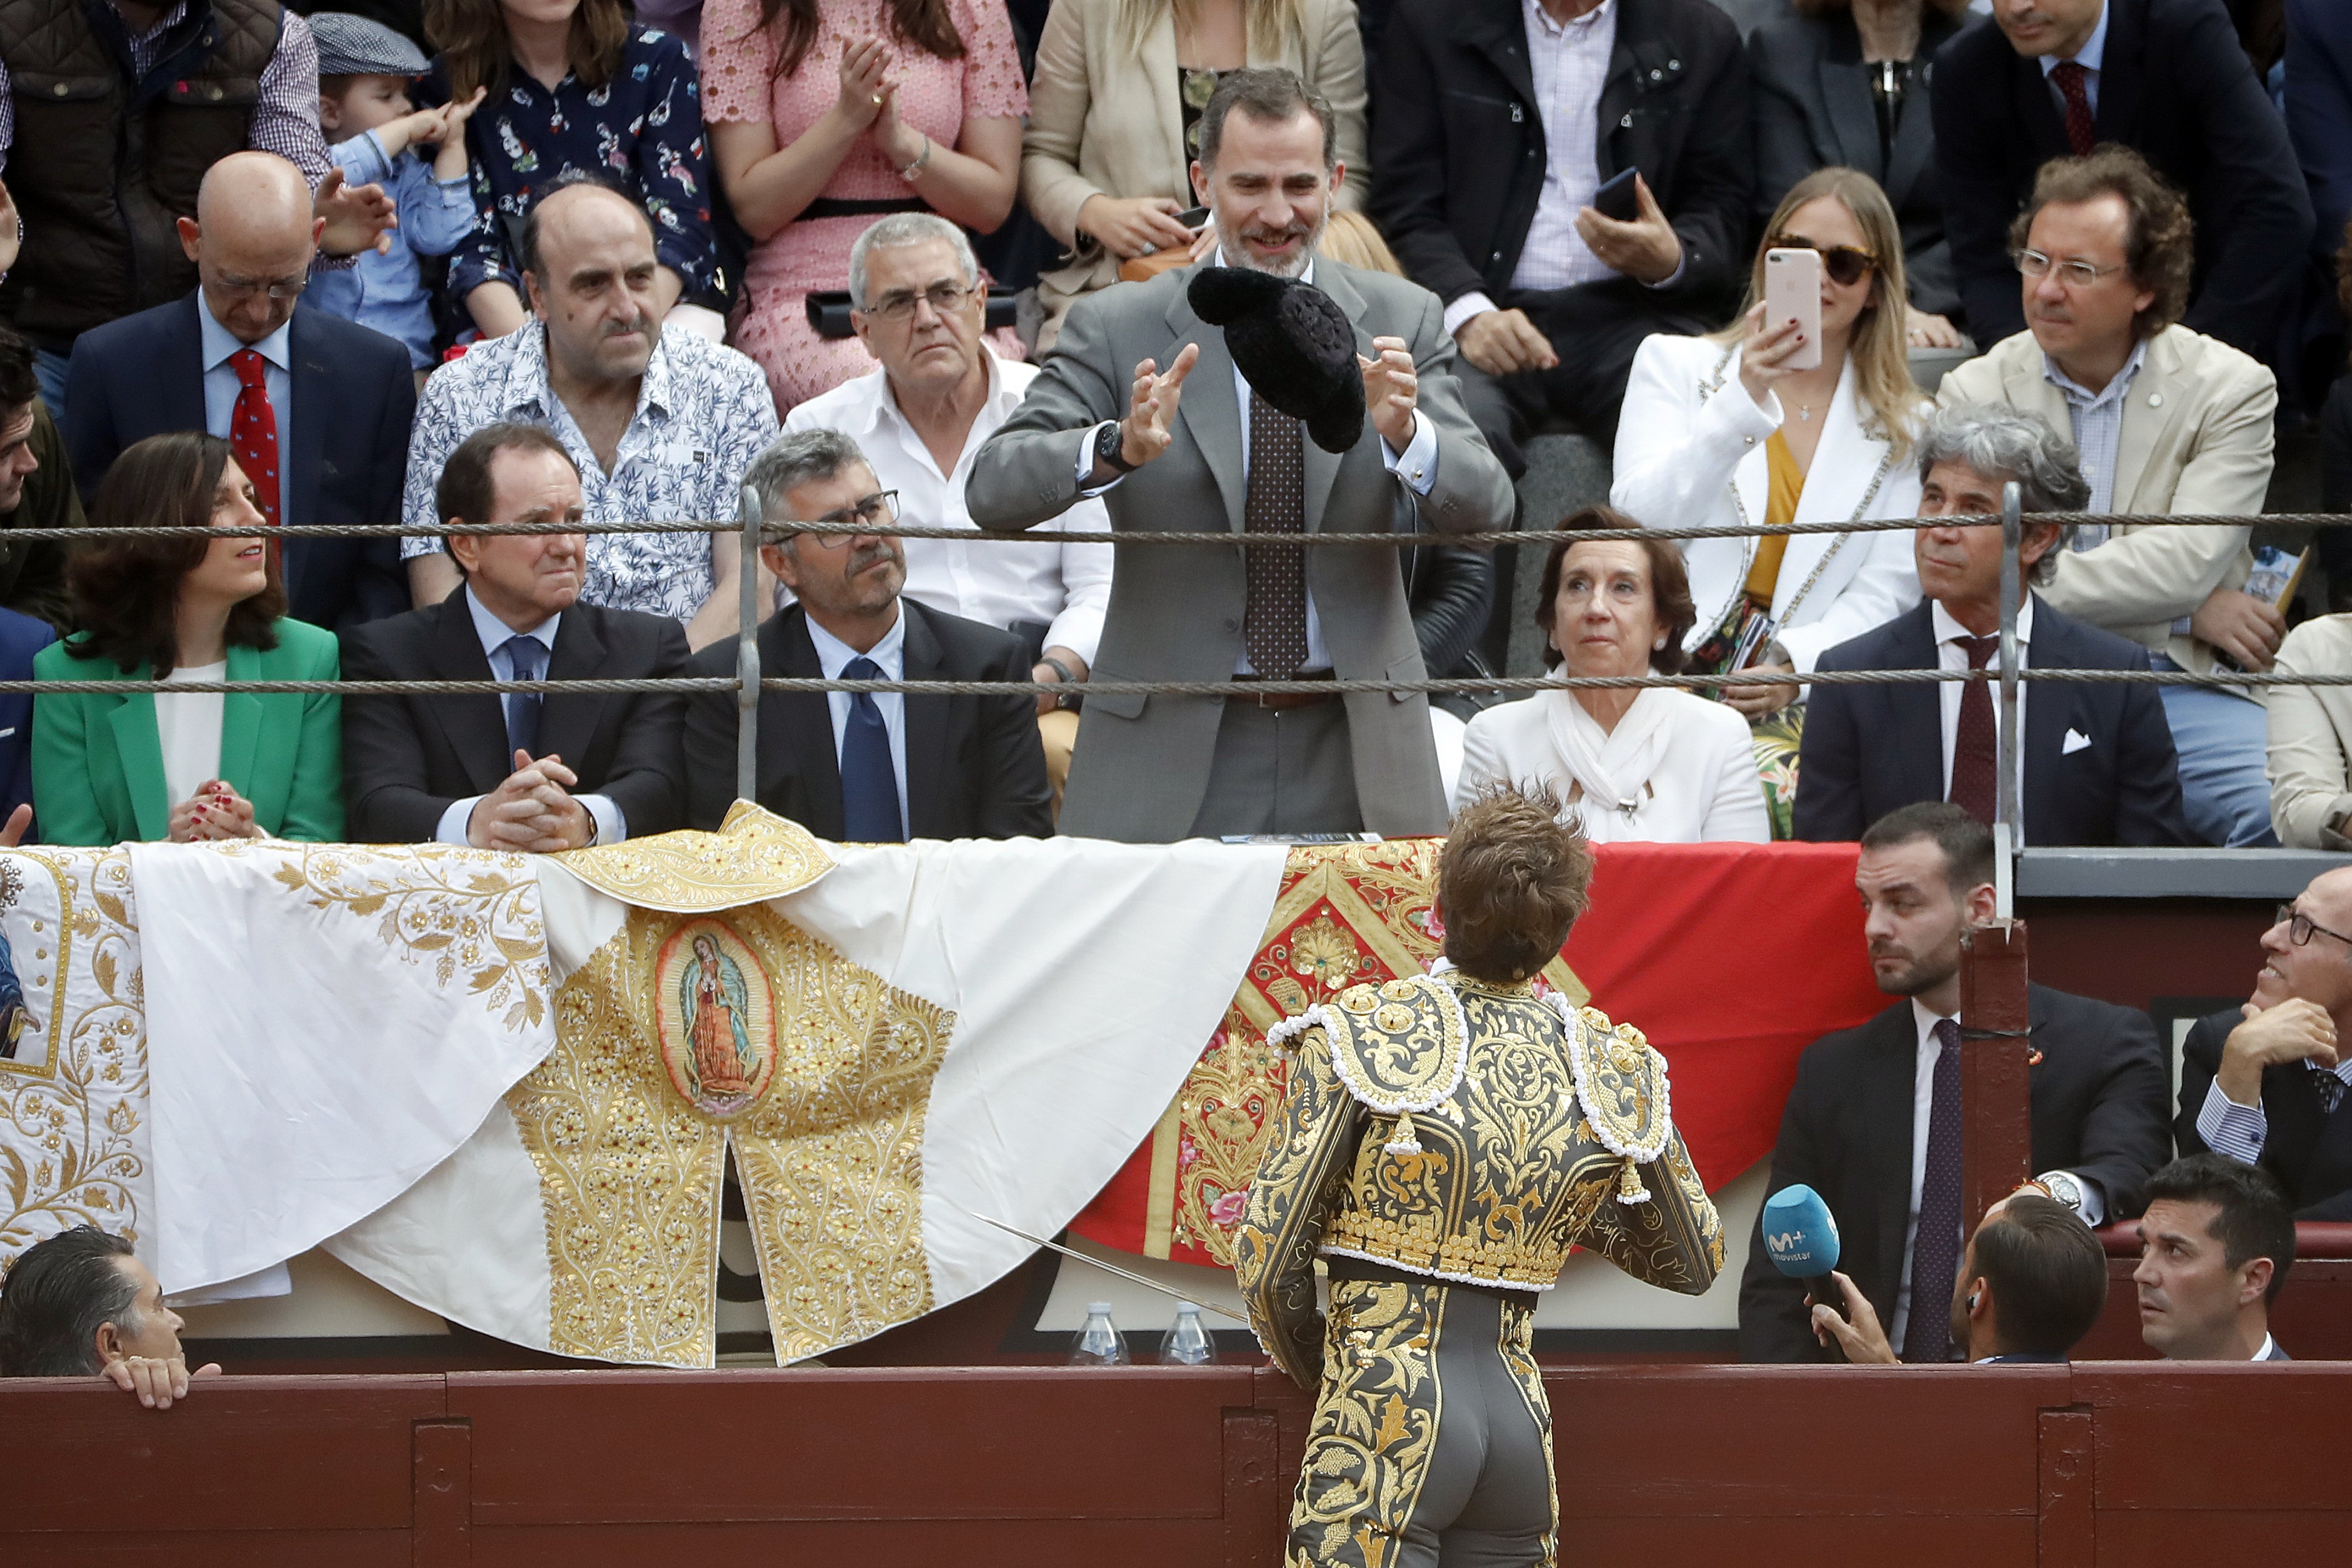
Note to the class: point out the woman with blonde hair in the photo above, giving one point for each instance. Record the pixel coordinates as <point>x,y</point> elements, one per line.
<point>1114,113</point>
<point>1724,432</point>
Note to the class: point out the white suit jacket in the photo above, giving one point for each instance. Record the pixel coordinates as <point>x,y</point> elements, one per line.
<point>2196,441</point>
<point>1683,450</point>
<point>2311,737</point>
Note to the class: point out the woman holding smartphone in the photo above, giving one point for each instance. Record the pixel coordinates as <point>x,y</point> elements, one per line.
<point>1780,419</point>
<point>1115,113</point>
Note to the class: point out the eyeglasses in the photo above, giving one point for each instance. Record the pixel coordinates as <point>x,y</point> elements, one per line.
<point>899,303</point>
<point>881,507</point>
<point>2299,927</point>
<point>1846,265</point>
<point>281,290</point>
<point>2073,274</point>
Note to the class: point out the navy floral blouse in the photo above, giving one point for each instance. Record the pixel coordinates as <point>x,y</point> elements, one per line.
<point>642,127</point>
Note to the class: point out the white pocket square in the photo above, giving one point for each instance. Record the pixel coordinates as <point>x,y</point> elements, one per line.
<point>2075,741</point>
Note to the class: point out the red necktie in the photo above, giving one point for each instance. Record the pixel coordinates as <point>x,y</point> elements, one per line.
<point>2070,79</point>
<point>253,433</point>
<point>1975,753</point>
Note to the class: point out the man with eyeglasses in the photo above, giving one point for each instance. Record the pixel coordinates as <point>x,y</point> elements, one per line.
<point>2168,78</point>
<point>2265,1084</point>
<point>316,407</point>
<point>2167,421</point>
<point>921,418</point>
<point>865,767</point>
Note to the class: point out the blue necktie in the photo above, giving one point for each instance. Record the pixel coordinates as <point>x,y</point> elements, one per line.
<point>1936,1249</point>
<point>527,661</point>
<point>869,784</point>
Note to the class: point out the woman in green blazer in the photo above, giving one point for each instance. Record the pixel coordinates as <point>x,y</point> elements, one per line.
<point>184,767</point>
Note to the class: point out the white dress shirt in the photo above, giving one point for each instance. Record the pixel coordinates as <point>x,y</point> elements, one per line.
<point>1416,466</point>
<point>2093,51</point>
<point>277,380</point>
<point>2240,1131</point>
<point>611,826</point>
<point>832,656</point>
<point>1923,1106</point>
<point>1950,656</point>
<point>188,729</point>
<point>1066,586</point>
<point>1568,64</point>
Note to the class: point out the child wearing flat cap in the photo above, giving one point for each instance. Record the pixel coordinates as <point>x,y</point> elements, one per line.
<point>364,71</point>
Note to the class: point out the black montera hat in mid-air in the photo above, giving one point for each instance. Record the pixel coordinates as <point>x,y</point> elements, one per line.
<point>1292,344</point>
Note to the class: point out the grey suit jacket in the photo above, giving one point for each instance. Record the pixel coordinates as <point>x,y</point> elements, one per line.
<point>1141,770</point>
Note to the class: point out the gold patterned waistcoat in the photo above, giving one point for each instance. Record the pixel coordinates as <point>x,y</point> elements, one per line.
<point>1466,1132</point>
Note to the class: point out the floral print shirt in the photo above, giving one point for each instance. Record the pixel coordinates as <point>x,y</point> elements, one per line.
<point>703,414</point>
<point>642,128</point>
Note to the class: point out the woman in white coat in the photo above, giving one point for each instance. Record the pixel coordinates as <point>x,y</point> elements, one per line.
<point>1650,763</point>
<point>1719,432</point>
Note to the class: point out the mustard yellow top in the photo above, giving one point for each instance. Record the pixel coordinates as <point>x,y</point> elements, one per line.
<point>1788,485</point>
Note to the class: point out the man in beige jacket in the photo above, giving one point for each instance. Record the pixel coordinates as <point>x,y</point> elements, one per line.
<point>2167,421</point>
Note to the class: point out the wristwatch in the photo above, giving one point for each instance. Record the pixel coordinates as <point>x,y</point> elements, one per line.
<point>1108,440</point>
<point>2063,1186</point>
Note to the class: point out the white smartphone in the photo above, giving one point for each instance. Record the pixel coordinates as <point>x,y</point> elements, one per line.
<point>1792,287</point>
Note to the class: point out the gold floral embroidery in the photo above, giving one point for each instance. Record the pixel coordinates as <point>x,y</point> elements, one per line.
<point>755,856</point>
<point>1347,914</point>
<point>455,909</point>
<point>1375,1425</point>
<point>829,1150</point>
<point>628,1172</point>
<point>71,1123</point>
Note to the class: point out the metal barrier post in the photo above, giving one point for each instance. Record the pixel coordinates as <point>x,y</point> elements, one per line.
<point>747,654</point>
<point>2005,836</point>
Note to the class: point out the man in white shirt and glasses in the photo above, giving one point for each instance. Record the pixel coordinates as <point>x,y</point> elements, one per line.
<point>939,393</point>
<point>2264,1082</point>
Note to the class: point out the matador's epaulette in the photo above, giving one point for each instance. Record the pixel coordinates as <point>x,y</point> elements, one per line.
<point>1400,1047</point>
<point>1621,1082</point>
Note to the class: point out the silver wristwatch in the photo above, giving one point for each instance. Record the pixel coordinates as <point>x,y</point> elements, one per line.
<point>2065,1187</point>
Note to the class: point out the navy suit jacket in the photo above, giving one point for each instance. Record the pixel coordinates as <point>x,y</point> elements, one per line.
<point>21,637</point>
<point>353,397</point>
<point>2174,84</point>
<point>975,768</point>
<point>1869,749</point>
<point>2097,1091</point>
<point>2309,1147</point>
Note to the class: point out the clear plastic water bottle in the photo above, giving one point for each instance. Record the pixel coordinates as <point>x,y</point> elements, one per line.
<point>1186,1343</point>
<point>1099,1343</point>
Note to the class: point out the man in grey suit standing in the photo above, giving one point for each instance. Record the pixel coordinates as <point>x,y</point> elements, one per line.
<point>1213,456</point>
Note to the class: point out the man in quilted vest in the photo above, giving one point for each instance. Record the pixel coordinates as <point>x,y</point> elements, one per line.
<point>1445,1140</point>
<point>111,111</point>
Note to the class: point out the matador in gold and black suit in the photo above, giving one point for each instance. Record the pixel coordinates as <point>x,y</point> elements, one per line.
<point>1443,1143</point>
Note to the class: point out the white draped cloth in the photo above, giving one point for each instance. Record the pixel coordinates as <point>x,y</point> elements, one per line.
<point>1676,769</point>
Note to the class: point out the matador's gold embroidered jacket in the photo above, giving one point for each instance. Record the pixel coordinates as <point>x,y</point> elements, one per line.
<point>1466,1131</point>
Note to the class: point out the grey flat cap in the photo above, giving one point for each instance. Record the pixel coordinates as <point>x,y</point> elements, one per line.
<point>352,45</point>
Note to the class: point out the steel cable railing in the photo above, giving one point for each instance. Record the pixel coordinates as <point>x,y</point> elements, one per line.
<point>748,682</point>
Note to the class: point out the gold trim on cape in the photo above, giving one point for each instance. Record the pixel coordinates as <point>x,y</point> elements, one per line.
<point>754,857</point>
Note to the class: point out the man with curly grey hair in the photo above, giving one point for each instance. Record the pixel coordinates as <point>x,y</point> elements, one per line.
<point>2096,765</point>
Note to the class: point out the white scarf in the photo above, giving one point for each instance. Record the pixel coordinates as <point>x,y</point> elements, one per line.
<point>1613,766</point>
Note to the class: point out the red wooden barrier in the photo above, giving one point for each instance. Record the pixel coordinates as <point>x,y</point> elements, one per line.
<point>1186,1468</point>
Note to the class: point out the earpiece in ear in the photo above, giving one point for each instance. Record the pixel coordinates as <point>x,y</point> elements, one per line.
<point>1972,1301</point>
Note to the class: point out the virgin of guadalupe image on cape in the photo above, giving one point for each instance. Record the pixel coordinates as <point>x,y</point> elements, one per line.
<point>715,1037</point>
<point>12,1016</point>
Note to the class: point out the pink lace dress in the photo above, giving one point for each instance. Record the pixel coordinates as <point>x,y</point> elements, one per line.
<point>812,255</point>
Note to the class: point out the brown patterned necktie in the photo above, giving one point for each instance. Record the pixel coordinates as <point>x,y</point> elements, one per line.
<point>2071,79</point>
<point>1276,630</point>
<point>1975,750</point>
